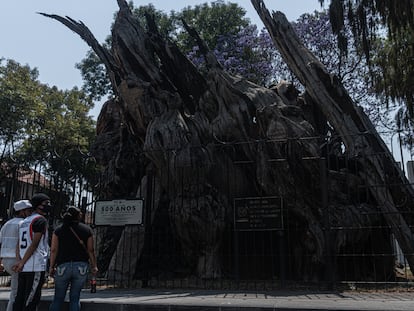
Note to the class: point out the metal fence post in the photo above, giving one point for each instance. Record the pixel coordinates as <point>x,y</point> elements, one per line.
<point>282,257</point>
<point>147,229</point>
<point>329,271</point>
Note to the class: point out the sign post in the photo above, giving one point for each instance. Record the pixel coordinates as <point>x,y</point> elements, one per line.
<point>119,212</point>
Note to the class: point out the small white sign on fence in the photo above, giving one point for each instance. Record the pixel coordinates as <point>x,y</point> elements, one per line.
<point>119,212</point>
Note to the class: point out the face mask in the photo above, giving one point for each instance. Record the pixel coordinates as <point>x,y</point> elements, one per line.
<point>46,209</point>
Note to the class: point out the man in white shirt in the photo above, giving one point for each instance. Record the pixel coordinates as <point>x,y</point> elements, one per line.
<point>9,235</point>
<point>33,249</point>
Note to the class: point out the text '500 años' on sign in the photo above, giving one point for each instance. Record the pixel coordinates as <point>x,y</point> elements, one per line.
<point>119,212</point>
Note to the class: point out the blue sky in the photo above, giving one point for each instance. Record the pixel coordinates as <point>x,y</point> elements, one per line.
<point>32,39</point>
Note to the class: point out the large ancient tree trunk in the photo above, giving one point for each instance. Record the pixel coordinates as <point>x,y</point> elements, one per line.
<point>351,123</point>
<point>170,124</point>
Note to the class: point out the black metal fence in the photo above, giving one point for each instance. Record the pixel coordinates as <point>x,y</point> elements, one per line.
<point>327,227</point>
<point>20,179</point>
<point>308,221</point>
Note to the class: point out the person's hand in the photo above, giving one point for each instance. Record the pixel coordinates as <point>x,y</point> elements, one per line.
<point>94,270</point>
<point>18,267</point>
<point>52,271</point>
<point>1,267</point>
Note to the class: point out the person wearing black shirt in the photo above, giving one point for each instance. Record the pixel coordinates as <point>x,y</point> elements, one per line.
<point>71,249</point>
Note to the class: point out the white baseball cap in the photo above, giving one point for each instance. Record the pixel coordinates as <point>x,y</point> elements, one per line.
<point>22,204</point>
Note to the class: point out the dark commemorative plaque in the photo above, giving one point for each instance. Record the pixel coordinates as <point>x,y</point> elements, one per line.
<point>258,214</point>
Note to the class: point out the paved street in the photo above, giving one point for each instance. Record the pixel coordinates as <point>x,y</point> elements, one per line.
<point>168,300</point>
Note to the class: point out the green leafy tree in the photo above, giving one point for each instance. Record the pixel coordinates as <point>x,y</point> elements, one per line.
<point>394,79</point>
<point>96,81</point>
<point>211,21</point>
<point>62,133</point>
<point>40,122</point>
<point>19,93</point>
<point>392,60</point>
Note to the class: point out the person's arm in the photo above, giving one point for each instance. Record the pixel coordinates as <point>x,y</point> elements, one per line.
<point>91,253</point>
<point>17,251</point>
<point>53,253</point>
<point>37,236</point>
<point>1,242</point>
<point>1,264</point>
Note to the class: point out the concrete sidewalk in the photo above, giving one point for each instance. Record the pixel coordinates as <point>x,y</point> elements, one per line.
<point>222,300</point>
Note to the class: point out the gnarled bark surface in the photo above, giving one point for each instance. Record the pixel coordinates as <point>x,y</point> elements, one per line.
<point>170,127</point>
<point>354,127</point>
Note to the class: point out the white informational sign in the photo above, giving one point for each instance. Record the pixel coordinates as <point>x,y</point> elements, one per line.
<point>119,212</point>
